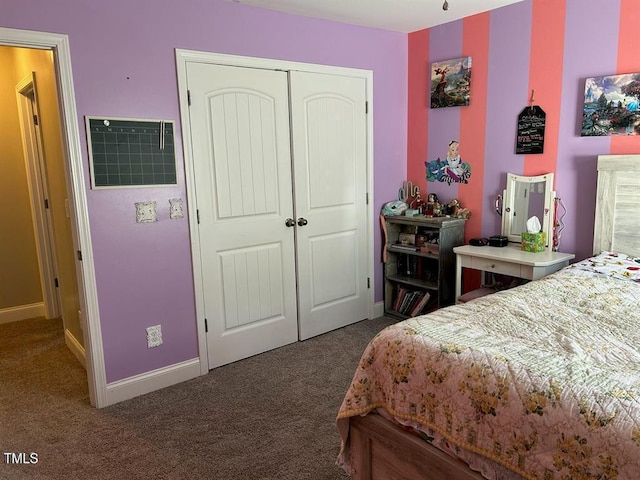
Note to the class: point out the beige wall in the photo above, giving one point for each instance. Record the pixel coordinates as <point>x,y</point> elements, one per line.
<point>19,273</point>
<point>41,62</point>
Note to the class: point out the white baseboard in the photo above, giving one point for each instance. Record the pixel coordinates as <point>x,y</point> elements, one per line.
<point>23,312</point>
<point>378,309</point>
<point>76,348</point>
<point>150,381</point>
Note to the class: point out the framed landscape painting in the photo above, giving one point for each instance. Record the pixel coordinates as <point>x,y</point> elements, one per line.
<point>451,83</point>
<point>611,105</point>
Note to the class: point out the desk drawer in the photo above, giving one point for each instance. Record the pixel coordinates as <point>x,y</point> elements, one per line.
<point>496,266</point>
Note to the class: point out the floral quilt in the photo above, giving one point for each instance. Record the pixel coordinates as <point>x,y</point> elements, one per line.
<point>543,379</point>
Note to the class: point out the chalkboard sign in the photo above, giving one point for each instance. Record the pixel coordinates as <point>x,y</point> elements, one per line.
<point>530,136</point>
<point>126,152</point>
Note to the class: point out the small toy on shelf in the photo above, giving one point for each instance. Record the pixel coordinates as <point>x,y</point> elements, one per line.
<point>410,194</point>
<point>432,199</point>
<point>452,209</point>
<point>464,213</point>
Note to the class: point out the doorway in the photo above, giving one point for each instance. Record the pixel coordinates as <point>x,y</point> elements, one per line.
<point>74,205</point>
<point>38,195</point>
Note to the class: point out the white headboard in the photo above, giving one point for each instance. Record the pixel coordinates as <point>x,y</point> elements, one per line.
<point>617,223</point>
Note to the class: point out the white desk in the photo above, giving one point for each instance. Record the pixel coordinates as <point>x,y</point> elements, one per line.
<point>508,260</point>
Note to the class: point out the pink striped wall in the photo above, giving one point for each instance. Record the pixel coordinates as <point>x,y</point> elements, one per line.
<point>542,45</point>
<point>628,61</point>
<point>472,125</point>
<point>547,33</point>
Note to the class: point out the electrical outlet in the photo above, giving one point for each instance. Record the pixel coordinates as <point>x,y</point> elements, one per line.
<point>154,336</point>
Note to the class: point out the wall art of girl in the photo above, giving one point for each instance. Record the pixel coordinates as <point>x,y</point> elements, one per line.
<point>452,169</point>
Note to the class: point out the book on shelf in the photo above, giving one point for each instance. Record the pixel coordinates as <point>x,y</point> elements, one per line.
<point>410,302</point>
<point>420,304</point>
<point>399,297</point>
<point>406,301</point>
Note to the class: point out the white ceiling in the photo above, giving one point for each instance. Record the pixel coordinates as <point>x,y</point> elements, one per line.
<point>396,15</point>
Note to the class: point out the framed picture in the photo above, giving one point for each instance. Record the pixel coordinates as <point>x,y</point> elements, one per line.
<point>611,105</point>
<point>451,83</point>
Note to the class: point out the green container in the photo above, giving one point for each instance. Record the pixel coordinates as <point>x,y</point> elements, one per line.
<point>534,242</point>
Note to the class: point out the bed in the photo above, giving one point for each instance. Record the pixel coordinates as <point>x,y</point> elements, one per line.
<point>540,382</point>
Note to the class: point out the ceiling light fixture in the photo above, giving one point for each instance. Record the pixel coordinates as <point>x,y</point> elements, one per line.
<point>445,5</point>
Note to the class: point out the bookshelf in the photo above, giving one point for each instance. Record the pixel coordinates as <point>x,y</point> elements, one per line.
<point>420,265</point>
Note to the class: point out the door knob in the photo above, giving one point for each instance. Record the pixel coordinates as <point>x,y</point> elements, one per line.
<point>290,222</point>
<point>302,221</point>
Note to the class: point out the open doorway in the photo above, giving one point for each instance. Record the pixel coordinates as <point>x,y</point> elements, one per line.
<point>39,277</point>
<point>66,197</point>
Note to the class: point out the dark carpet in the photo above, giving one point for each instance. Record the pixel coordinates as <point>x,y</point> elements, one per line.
<point>271,416</point>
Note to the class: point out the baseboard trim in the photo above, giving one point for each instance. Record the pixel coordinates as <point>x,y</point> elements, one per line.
<point>76,348</point>
<point>378,309</point>
<point>23,312</point>
<point>151,381</point>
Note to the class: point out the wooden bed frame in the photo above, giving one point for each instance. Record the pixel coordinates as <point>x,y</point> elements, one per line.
<point>380,450</point>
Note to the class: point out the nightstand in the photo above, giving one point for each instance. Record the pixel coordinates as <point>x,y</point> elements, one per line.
<point>508,260</point>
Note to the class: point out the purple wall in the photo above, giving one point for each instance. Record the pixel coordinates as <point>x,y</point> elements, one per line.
<point>576,176</point>
<point>123,62</point>
<point>508,82</point>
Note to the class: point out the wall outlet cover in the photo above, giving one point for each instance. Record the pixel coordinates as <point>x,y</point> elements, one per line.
<point>175,208</point>
<point>146,212</point>
<point>154,336</point>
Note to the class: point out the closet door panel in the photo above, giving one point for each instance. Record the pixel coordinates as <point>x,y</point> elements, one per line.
<point>329,150</point>
<point>242,161</point>
<point>331,159</point>
<point>245,160</point>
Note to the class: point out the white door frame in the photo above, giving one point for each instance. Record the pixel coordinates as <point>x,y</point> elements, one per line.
<point>27,96</point>
<point>184,56</point>
<point>78,209</point>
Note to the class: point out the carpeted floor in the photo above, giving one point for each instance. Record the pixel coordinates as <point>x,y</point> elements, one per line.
<point>271,416</point>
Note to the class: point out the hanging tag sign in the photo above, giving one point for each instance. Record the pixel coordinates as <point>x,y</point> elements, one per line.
<point>530,134</point>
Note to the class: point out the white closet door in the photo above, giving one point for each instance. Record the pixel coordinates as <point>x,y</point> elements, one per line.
<point>329,149</point>
<point>241,147</point>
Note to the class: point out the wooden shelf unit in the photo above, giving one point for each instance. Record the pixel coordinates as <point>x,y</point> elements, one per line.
<point>432,271</point>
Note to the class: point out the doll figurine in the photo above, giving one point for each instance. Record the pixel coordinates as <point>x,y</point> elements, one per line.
<point>432,199</point>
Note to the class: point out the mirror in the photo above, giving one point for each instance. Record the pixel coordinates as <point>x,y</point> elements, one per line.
<point>524,198</point>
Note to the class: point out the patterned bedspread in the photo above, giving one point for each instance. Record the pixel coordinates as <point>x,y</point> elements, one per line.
<point>543,379</point>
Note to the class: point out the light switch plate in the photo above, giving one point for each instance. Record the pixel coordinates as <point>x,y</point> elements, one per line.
<point>146,212</point>
<point>175,208</point>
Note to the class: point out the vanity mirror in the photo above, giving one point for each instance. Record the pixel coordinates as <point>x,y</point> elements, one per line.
<point>524,198</point>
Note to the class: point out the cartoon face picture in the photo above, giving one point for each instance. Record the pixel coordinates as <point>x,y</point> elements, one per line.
<point>450,170</point>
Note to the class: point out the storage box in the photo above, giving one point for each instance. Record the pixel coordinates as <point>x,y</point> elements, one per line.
<point>498,241</point>
<point>534,242</point>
